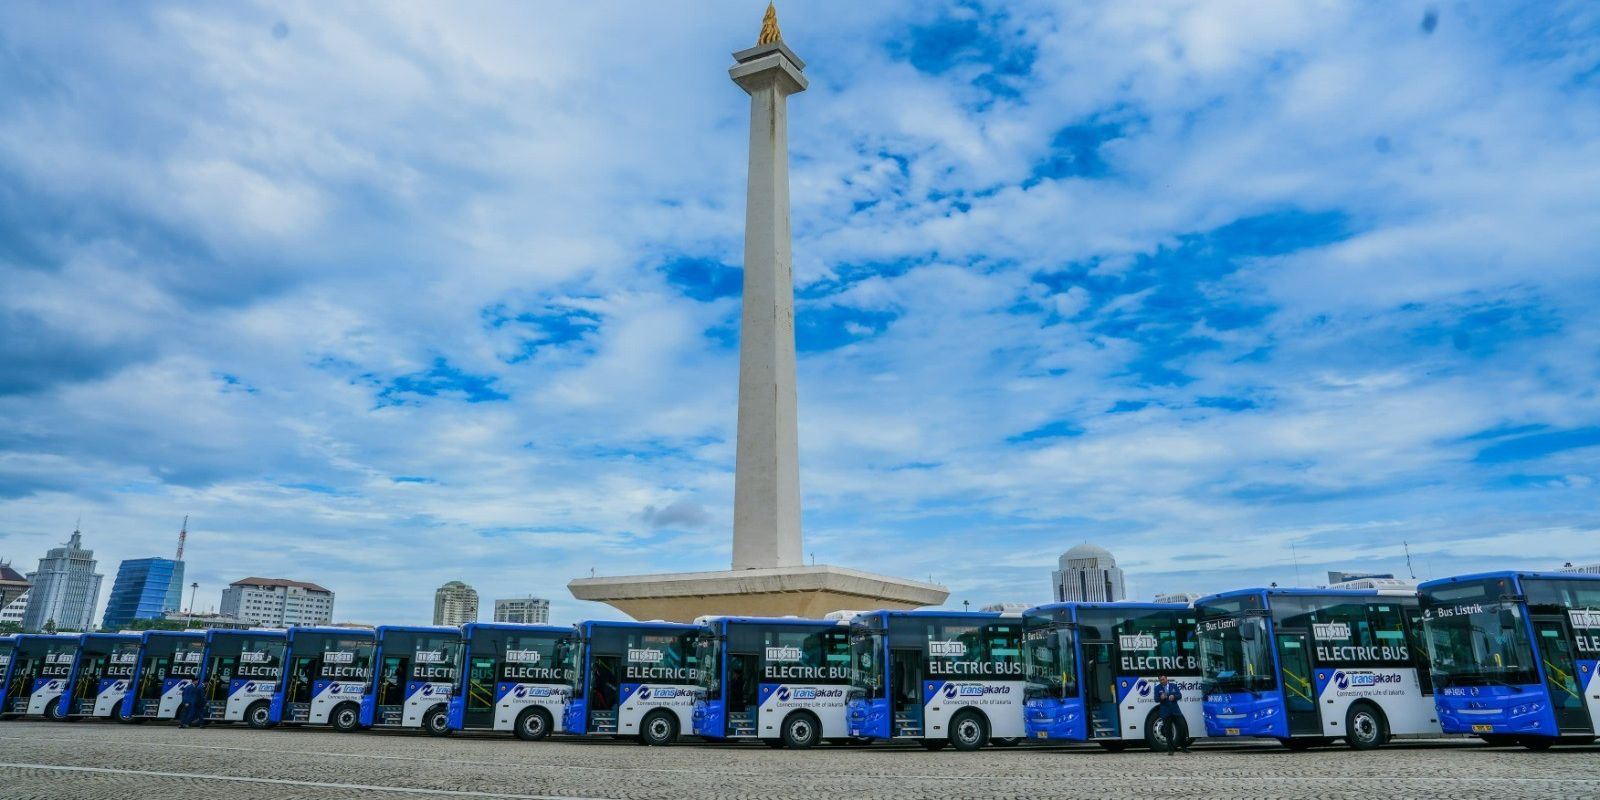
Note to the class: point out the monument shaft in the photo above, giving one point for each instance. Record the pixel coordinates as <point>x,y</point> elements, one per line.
<point>766,494</point>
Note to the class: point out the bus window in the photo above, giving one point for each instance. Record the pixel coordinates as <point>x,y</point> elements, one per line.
<point>743,685</point>
<point>606,689</point>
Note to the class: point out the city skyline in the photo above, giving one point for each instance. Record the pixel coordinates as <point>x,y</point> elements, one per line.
<point>1235,293</point>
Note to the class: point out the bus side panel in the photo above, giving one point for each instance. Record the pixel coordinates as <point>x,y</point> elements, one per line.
<point>1588,668</point>
<point>639,699</point>
<point>245,692</point>
<point>779,699</point>
<point>511,698</point>
<point>44,690</point>
<point>1000,701</point>
<point>421,696</point>
<point>108,696</point>
<point>1138,700</point>
<point>327,695</point>
<point>1395,691</point>
<point>171,697</point>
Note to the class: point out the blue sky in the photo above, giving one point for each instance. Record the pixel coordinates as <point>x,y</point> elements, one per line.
<point>389,295</point>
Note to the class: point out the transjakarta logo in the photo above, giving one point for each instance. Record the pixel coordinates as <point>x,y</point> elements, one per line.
<point>430,656</point>
<point>1345,680</point>
<point>783,654</point>
<point>532,691</point>
<point>1585,619</point>
<point>647,655</point>
<point>947,649</point>
<point>251,657</point>
<point>523,656</point>
<point>1143,641</point>
<point>954,690</point>
<point>339,657</point>
<point>1331,630</point>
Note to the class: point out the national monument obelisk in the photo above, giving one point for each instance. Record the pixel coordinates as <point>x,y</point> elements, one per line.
<point>768,575</point>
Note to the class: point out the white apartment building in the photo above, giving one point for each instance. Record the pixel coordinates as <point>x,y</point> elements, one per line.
<point>523,610</point>
<point>1087,574</point>
<point>455,603</point>
<point>277,602</point>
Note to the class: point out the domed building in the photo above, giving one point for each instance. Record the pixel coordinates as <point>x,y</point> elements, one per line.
<point>1088,573</point>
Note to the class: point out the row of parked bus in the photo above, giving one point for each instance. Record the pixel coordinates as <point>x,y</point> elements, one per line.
<point>1508,657</point>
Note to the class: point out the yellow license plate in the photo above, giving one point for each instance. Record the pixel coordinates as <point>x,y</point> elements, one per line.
<point>1042,735</point>
<point>1483,729</point>
<point>1232,731</point>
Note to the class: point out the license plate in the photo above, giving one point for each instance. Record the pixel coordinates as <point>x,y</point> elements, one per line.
<point>1483,729</point>
<point>1231,731</point>
<point>1042,735</point>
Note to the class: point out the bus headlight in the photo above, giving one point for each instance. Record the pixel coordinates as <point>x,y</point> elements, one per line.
<point>1527,708</point>
<point>1264,713</point>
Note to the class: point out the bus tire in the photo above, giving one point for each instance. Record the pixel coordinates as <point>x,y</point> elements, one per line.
<point>1537,742</point>
<point>533,724</point>
<point>1365,727</point>
<point>56,711</point>
<point>1152,732</point>
<point>801,731</point>
<point>1006,741</point>
<point>259,715</point>
<point>436,722</point>
<point>346,718</point>
<point>934,744</point>
<point>658,729</point>
<point>968,731</point>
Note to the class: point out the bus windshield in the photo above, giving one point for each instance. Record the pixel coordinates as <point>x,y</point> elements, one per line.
<point>1236,654</point>
<point>866,669</point>
<point>1050,657</point>
<point>1475,638</point>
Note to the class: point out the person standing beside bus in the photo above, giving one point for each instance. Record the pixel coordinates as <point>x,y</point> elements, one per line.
<point>1169,715</point>
<point>191,712</point>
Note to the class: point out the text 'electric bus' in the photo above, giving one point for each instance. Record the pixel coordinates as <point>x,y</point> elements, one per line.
<point>37,675</point>
<point>632,679</point>
<point>417,671</point>
<point>1307,666</point>
<point>241,671</point>
<point>1515,655</point>
<point>168,661</point>
<point>514,679</point>
<point>783,681</point>
<point>1092,670</point>
<point>325,672</point>
<point>938,677</point>
<point>102,674</point>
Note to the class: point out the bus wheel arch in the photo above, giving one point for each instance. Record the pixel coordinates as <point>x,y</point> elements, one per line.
<point>800,730</point>
<point>533,724</point>
<point>969,729</point>
<point>1365,726</point>
<point>259,715</point>
<point>437,721</point>
<point>658,728</point>
<point>345,717</point>
<point>1152,731</point>
<point>56,710</point>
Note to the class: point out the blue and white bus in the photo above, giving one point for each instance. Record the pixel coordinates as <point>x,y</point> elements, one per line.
<point>632,679</point>
<point>1092,669</point>
<point>102,674</point>
<point>937,677</point>
<point>325,673</point>
<point>168,661</point>
<point>240,671</point>
<point>1308,666</point>
<point>1516,655</point>
<point>781,680</point>
<point>417,671</point>
<point>515,679</point>
<point>37,674</point>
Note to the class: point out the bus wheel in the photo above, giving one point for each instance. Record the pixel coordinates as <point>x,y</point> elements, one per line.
<point>1365,727</point>
<point>533,725</point>
<point>346,718</point>
<point>436,722</point>
<point>934,744</point>
<point>56,710</point>
<point>968,731</point>
<point>1006,741</point>
<point>1154,735</point>
<point>259,716</point>
<point>1537,742</point>
<point>659,728</point>
<point>801,731</point>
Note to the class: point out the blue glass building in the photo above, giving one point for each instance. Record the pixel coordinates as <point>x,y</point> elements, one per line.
<point>146,588</point>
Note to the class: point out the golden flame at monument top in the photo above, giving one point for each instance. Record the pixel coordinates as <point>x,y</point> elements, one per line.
<point>769,28</point>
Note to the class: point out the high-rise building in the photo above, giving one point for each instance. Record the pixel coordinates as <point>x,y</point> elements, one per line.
<point>523,610</point>
<point>13,584</point>
<point>1088,574</point>
<point>12,612</point>
<point>455,603</point>
<point>65,589</point>
<point>146,588</point>
<point>277,602</point>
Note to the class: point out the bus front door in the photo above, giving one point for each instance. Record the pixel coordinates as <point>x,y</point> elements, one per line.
<point>905,692</point>
<point>1560,668</point>
<point>1104,721</point>
<point>1299,693</point>
<point>480,700</point>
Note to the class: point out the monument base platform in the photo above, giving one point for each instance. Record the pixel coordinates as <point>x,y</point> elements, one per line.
<point>770,592</point>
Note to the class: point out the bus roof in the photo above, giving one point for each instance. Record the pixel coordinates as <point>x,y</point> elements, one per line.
<point>124,636</point>
<point>384,630</point>
<point>60,637</point>
<point>1298,591</point>
<point>1109,606</point>
<point>180,634</point>
<point>468,629</point>
<point>886,614</point>
<point>358,632</point>
<point>254,633</point>
<point>589,624</point>
<point>773,621</point>
<point>1480,576</point>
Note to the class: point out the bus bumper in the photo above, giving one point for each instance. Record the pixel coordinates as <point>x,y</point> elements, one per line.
<point>710,719</point>
<point>575,719</point>
<point>1479,710</point>
<point>1056,719</point>
<point>369,709</point>
<point>868,718</point>
<point>1241,714</point>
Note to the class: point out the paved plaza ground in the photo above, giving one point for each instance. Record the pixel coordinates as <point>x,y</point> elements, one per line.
<point>105,760</point>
